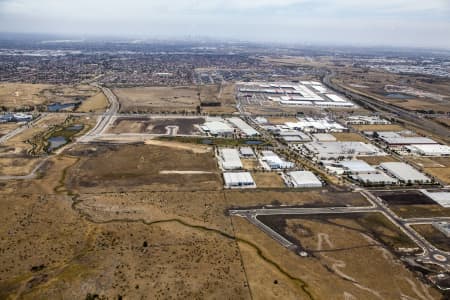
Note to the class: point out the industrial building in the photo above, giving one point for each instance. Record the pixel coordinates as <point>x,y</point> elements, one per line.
<point>305,93</point>
<point>312,125</point>
<point>246,152</point>
<point>373,179</point>
<point>243,127</point>
<point>442,198</point>
<point>303,179</point>
<point>340,150</point>
<point>366,120</point>
<point>394,139</point>
<point>239,180</point>
<point>273,162</point>
<point>357,167</point>
<point>217,128</point>
<point>229,159</point>
<point>405,173</point>
<point>443,227</point>
<point>430,150</point>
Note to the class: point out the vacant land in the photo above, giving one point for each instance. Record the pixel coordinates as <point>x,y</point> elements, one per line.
<point>349,137</point>
<point>96,103</point>
<point>339,248</point>
<point>218,99</point>
<point>268,180</point>
<point>138,167</point>
<point>250,164</point>
<point>376,160</point>
<point>179,126</point>
<point>69,93</point>
<point>392,127</point>
<point>159,99</point>
<point>411,204</point>
<point>281,120</point>
<point>5,128</point>
<point>85,256</point>
<point>434,236</point>
<point>443,174</point>
<point>16,96</point>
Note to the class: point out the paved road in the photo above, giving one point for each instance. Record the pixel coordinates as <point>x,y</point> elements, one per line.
<point>430,254</point>
<point>19,130</point>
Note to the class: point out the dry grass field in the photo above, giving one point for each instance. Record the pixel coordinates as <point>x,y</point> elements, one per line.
<point>96,103</point>
<point>391,127</point>
<point>268,180</point>
<point>17,95</point>
<point>5,128</point>
<point>69,93</point>
<point>337,269</point>
<point>250,164</point>
<point>214,93</point>
<point>433,235</point>
<point>281,120</point>
<point>376,160</point>
<point>420,210</point>
<point>349,137</point>
<point>443,174</point>
<point>139,167</point>
<point>158,99</point>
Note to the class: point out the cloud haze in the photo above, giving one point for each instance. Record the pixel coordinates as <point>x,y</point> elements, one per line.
<point>383,22</point>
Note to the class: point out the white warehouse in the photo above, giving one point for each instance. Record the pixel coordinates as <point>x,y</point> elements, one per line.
<point>274,162</point>
<point>239,180</point>
<point>404,172</point>
<point>229,159</point>
<point>243,127</point>
<point>304,179</point>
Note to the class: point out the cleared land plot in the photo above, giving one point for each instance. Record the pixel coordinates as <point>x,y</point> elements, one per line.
<point>340,248</point>
<point>158,99</point>
<point>376,160</point>
<point>20,95</point>
<point>281,120</point>
<point>434,236</point>
<point>223,98</point>
<point>442,174</point>
<point>250,164</point>
<point>84,255</point>
<point>412,204</point>
<point>181,126</point>
<point>349,137</point>
<point>5,128</point>
<point>138,167</point>
<point>431,162</point>
<point>391,127</point>
<point>97,103</point>
<point>268,180</point>
<point>255,198</point>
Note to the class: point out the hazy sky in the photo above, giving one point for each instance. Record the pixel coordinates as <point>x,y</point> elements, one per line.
<point>424,23</point>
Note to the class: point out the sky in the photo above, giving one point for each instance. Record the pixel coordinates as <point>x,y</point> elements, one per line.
<point>404,23</point>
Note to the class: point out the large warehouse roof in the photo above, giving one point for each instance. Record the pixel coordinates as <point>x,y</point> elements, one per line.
<point>430,150</point>
<point>230,159</point>
<point>442,198</point>
<point>218,127</point>
<point>404,172</point>
<point>375,178</point>
<point>241,179</point>
<point>244,127</point>
<point>336,149</point>
<point>304,179</point>
<point>357,166</point>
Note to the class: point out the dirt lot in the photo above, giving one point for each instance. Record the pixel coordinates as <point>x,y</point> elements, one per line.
<point>185,126</point>
<point>349,137</point>
<point>340,249</point>
<point>392,127</point>
<point>17,95</point>
<point>421,211</point>
<point>250,164</point>
<point>158,99</point>
<point>443,174</point>
<point>281,120</point>
<point>138,167</point>
<point>376,160</point>
<point>268,180</point>
<point>225,96</point>
<point>7,127</point>
<point>434,236</point>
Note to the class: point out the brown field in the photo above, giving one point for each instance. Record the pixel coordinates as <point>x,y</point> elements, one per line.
<point>392,127</point>
<point>70,94</point>
<point>376,160</point>
<point>158,99</point>
<point>97,103</point>
<point>17,95</point>
<point>138,167</point>
<point>338,269</point>
<point>430,162</point>
<point>434,236</point>
<point>17,166</point>
<point>250,164</point>
<point>84,256</point>
<point>268,180</point>
<point>186,126</point>
<point>420,211</point>
<point>349,137</point>
<point>281,120</point>
<point>212,93</point>
<point>7,127</point>
<point>443,174</point>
